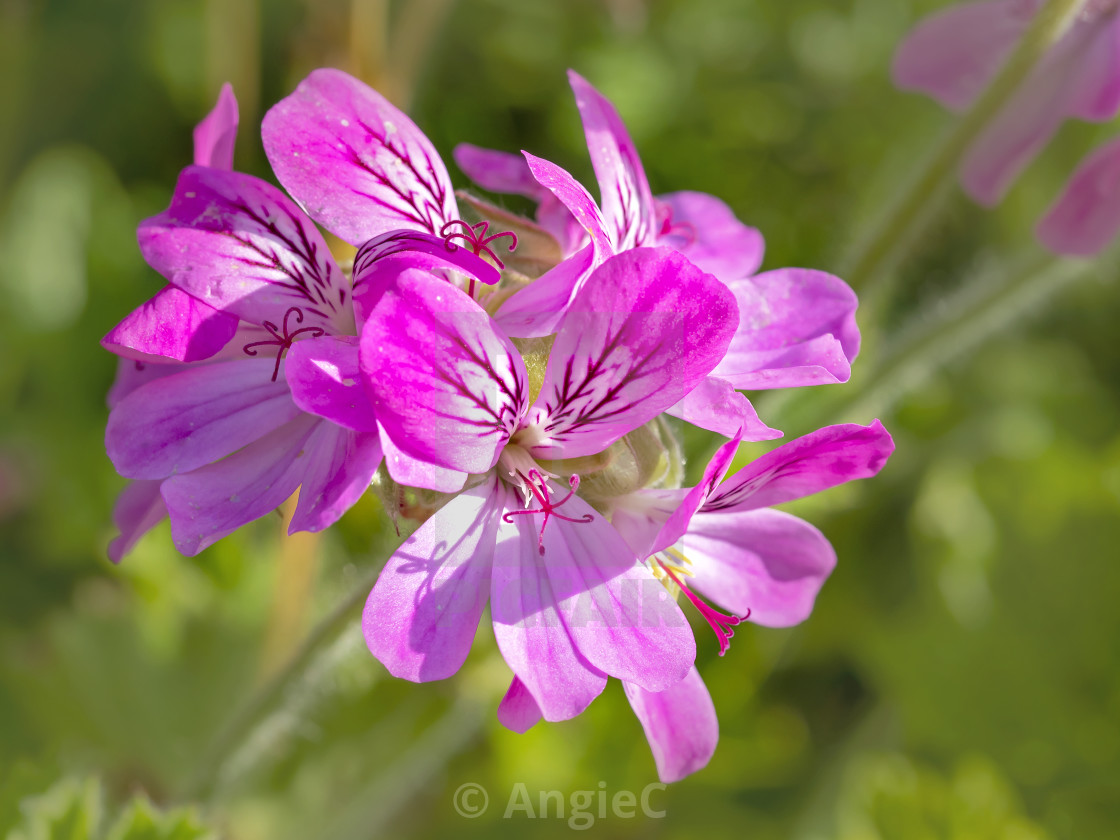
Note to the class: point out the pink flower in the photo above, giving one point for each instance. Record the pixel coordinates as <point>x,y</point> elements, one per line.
<point>1086,217</point>
<point>953,54</point>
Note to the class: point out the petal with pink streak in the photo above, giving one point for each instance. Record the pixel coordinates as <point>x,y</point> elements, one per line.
<point>354,162</point>
<point>765,561</point>
<point>706,231</point>
<point>518,711</point>
<point>648,327</point>
<point>1086,217</point>
<point>214,501</point>
<point>955,52</point>
<point>626,199</point>
<point>680,724</point>
<point>640,516</point>
<point>715,405</point>
<point>498,172</point>
<point>238,244</point>
<point>422,614</point>
<point>538,309</point>
<point>138,509</point>
<point>197,415</point>
<point>325,380</point>
<point>578,200</point>
<point>171,326</point>
<point>796,327</point>
<point>339,466</point>
<point>447,386</point>
<point>215,136</point>
<point>822,459</point>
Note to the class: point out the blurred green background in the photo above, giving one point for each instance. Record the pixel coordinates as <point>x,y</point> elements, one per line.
<point>958,678</point>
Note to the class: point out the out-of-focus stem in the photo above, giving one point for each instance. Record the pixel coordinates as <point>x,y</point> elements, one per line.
<point>369,41</point>
<point>233,52</point>
<point>410,43</point>
<point>906,216</point>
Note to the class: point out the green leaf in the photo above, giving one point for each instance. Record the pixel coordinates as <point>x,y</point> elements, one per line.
<point>71,810</point>
<point>141,820</point>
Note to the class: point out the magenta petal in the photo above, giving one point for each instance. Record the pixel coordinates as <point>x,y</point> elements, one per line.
<point>325,380</point>
<point>240,245</point>
<point>518,711</point>
<point>197,415</point>
<point>796,327</point>
<point>411,472</point>
<point>578,200</point>
<point>172,325</point>
<point>706,231</point>
<point>819,460</point>
<point>955,52</point>
<point>715,405</point>
<point>498,172</point>
<point>765,561</point>
<point>339,468</point>
<point>646,328</point>
<point>215,136</point>
<point>447,386</point>
<point>626,199</point>
<point>357,164</point>
<point>214,501</point>
<point>421,617</point>
<point>680,724</point>
<point>639,517</point>
<point>538,309</point>
<point>1086,217</point>
<point>139,508</point>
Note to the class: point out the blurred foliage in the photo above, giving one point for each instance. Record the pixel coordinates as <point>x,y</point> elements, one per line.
<point>958,678</point>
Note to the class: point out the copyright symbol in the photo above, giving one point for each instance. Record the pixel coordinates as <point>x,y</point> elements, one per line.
<point>471,800</point>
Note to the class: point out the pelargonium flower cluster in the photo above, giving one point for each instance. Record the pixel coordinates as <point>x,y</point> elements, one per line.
<point>512,384</point>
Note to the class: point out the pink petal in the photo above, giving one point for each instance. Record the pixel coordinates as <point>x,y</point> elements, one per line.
<point>626,199</point>
<point>765,561</point>
<point>131,375</point>
<point>215,136</point>
<point>819,460</point>
<point>214,501</point>
<point>647,328</point>
<point>421,617</point>
<point>358,165</point>
<point>1086,217</point>
<point>538,309</point>
<point>411,472</point>
<point>447,386</point>
<point>498,172</point>
<point>578,200</point>
<point>680,724</point>
<point>171,326</point>
<point>796,327</point>
<point>706,231</point>
<point>715,405</point>
<point>325,380</point>
<point>518,710</point>
<point>139,508</point>
<point>339,466</point>
<point>197,415</point>
<point>240,245</point>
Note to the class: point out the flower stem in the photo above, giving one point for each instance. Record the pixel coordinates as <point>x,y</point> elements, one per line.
<point>907,215</point>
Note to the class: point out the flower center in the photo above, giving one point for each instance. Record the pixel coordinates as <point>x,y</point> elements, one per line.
<point>282,341</point>
<point>533,484</point>
<point>721,623</point>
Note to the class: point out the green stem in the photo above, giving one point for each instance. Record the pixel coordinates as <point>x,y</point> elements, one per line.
<point>907,214</point>
<point>244,720</point>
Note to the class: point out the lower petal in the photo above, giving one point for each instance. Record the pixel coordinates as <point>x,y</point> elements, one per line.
<point>518,711</point>
<point>680,724</point>
<point>340,467</point>
<point>715,405</point>
<point>1086,218</point>
<point>139,508</point>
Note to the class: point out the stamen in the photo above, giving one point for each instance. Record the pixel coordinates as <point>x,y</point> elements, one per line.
<point>721,623</point>
<point>474,236</point>
<point>686,230</point>
<point>537,485</point>
<point>282,341</point>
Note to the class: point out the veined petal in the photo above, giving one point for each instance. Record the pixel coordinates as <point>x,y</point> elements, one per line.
<point>324,378</point>
<point>518,711</point>
<point>240,245</point>
<point>680,724</point>
<point>819,460</point>
<point>706,231</point>
<point>1086,217</point>
<point>765,561</point>
<point>421,617</point>
<point>447,386</point>
<point>339,468</point>
<point>214,501</point>
<point>578,200</point>
<point>649,328</point>
<point>172,325</point>
<point>715,405</point>
<point>626,198</point>
<point>197,415</point>
<point>796,327</point>
<point>215,136</point>
<point>357,164</point>
<point>138,509</point>
<point>498,172</point>
<point>132,375</point>
<point>538,309</point>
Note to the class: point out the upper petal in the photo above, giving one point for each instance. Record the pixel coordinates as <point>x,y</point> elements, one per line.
<point>215,136</point>
<point>172,325</point>
<point>240,245</point>
<point>647,328</point>
<point>680,724</point>
<point>498,172</point>
<point>1086,217</point>
<point>578,200</point>
<point>357,164</point>
<point>706,231</point>
<point>715,405</point>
